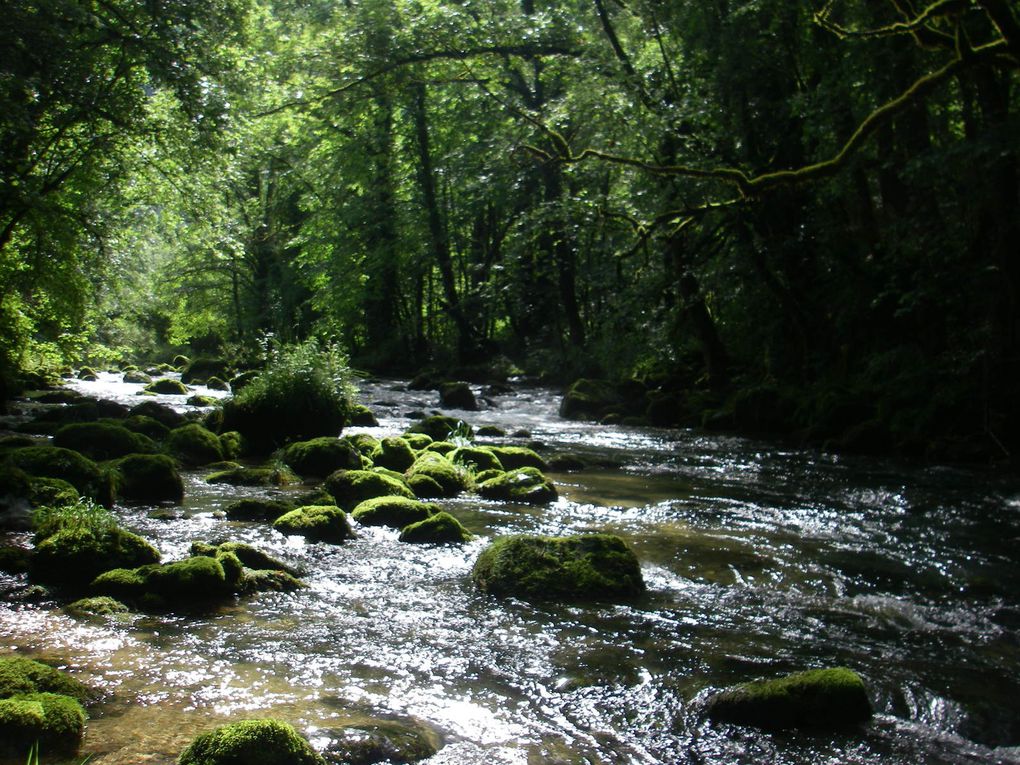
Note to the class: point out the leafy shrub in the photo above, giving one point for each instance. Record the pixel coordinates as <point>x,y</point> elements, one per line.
<point>304,392</point>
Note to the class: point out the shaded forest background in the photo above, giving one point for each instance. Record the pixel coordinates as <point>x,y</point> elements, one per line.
<point>782,217</point>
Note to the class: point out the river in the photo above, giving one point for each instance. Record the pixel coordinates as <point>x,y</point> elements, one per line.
<point>759,558</point>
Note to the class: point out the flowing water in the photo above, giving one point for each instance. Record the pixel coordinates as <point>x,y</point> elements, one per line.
<point>760,559</point>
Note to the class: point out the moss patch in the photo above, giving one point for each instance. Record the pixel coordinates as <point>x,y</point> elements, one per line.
<point>253,477</point>
<point>514,457</point>
<point>351,487</point>
<point>526,485</point>
<point>19,676</point>
<point>194,445</point>
<point>321,456</point>
<point>440,528</point>
<point>54,721</point>
<point>452,478</point>
<point>148,478</point>
<point>438,427</point>
<point>393,453</point>
<point>567,569</point>
<point>55,462</point>
<point>475,458</point>
<point>820,698</point>
<point>98,606</point>
<point>102,440</point>
<point>167,386</point>
<point>317,523</point>
<point>396,512</point>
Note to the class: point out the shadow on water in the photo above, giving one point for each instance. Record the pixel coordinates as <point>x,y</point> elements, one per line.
<point>759,560</point>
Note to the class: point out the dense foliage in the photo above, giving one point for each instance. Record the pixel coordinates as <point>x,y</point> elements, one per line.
<point>794,212</point>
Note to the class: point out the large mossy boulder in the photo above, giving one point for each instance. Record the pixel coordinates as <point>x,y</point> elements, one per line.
<point>159,412</point>
<point>68,465</point>
<point>318,457</point>
<point>250,557</point>
<point>251,742</point>
<point>514,457</point>
<point>102,440</point>
<point>75,554</point>
<point>351,487</point>
<point>452,479</point>
<point>363,417</point>
<point>167,386</point>
<point>439,529</point>
<point>364,443</point>
<point>438,427</point>
<point>51,492</point>
<point>819,698</point>
<point>148,478</point>
<point>147,426</point>
<point>193,581</point>
<point>201,369</point>
<point>393,453</point>
<point>589,399</point>
<point>53,722</point>
<point>591,567</point>
<point>317,523</point>
<point>527,485</point>
<point>395,512</point>
<point>193,445</point>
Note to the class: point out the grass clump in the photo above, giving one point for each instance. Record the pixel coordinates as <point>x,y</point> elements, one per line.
<point>303,393</point>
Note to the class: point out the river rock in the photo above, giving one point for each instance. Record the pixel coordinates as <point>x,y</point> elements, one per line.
<point>53,722</point>
<point>102,440</point>
<point>396,512</point>
<point>457,395</point>
<point>393,453</point>
<point>438,529</point>
<point>526,485</point>
<point>194,445</point>
<point>819,698</point>
<point>317,523</point>
<point>375,739</point>
<point>351,487</point>
<point>318,457</point>
<point>266,741</point>
<point>451,478</point>
<point>566,569</point>
<point>148,478</point>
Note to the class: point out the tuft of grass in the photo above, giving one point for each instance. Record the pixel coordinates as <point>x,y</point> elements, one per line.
<point>82,518</point>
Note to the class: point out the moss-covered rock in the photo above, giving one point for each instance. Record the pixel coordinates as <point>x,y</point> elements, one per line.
<point>147,426</point>
<point>180,362</point>
<point>215,383</point>
<point>78,552</point>
<point>425,487</point>
<point>194,445</point>
<point>202,401</point>
<point>393,453</point>
<point>363,417</point>
<point>457,395</point>
<point>590,399</point>
<point>250,557</point>
<point>317,523</point>
<point>251,742</point>
<point>52,721</point>
<point>159,412</point>
<point>15,559</point>
<point>148,478</point>
<point>441,447</point>
<point>245,476</point>
<point>351,487</point>
<point>167,386</point>
<point>257,509</point>
<point>820,698</point>
<point>136,377</point>
<point>396,512</point>
<point>102,440</point>
<point>514,457</point>
<point>68,465</point>
<point>488,475</point>
<point>101,605</point>
<point>527,485</point>
<point>439,529</point>
<point>364,443</point>
<point>268,580</point>
<point>201,369</point>
<point>417,441</point>
<point>20,676</point>
<point>319,457</point>
<point>438,427</point>
<point>566,569</point>
<point>453,479</point>
<point>476,458</point>
<point>195,580</point>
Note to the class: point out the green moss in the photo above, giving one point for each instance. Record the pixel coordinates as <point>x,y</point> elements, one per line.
<point>452,478</point>
<point>362,416</point>
<point>97,606</point>
<point>55,462</point>
<point>15,560</point>
<point>128,584</point>
<point>487,475</point>
<point>159,412</point>
<point>232,443</point>
<point>364,443</point>
<point>167,386</point>
<point>148,478</point>
<point>215,383</point>
<point>396,512</point>
<point>75,553</point>
<point>318,523</point>
<point>440,528</point>
<point>102,440</point>
<point>820,698</point>
<point>417,441</point>
<point>251,742</point>
<point>202,401</point>
<point>438,427</point>
<point>147,426</point>
<point>269,580</point>
<point>393,453</point>
<point>441,447</point>
<point>321,456</point>
<point>233,568</point>
<point>19,676</point>
<point>351,487</point>
<point>192,580</point>
<point>425,487</point>
<point>55,722</point>
<point>136,377</point>
<point>514,457</point>
<point>526,485</point>
<point>249,556</point>
<point>253,477</point>
<point>475,458</point>
<point>567,569</point>
<point>51,492</point>
<point>253,509</point>
<point>194,445</point>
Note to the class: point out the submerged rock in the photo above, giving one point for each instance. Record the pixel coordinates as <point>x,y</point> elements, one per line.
<point>567,569</point>
<point>101,605</point>
<point>375,740</point>
<point>251,742</point>
<point>819,698</point>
